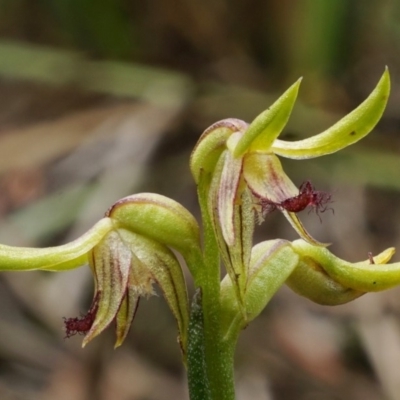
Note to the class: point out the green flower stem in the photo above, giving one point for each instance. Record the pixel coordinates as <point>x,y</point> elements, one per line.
<point>199,388</point>
<point>217,352</point>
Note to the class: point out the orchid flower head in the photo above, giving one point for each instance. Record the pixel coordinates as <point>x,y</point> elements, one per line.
<point>128,251</point>
<point>250,154</point>
<point>238,166</point>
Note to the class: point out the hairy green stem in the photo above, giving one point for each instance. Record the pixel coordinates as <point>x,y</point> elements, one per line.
<point>218,354</point>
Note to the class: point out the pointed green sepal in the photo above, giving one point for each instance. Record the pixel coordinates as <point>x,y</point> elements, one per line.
<point>345,132</point>
<point>58,258</point>
<point>268,125</point>
<point>362,276</point>
<point>311,281</point>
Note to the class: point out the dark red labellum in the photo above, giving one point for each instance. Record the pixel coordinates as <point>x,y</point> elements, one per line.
<point>83,324</point>
<point>307,196</point>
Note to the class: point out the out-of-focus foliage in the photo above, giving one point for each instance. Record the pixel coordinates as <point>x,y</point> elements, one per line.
<point>279,36</point>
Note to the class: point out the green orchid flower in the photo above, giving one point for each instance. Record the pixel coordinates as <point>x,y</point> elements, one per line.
<point>239,165</point>
<point>127,252</point>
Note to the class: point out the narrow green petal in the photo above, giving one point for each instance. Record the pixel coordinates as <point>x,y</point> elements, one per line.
<point>345,132</point>
<point>139,284</point>
<point>269,124</point>
<point>301,230</point>
<point>164,268</point>
<point>211,145</point>
<point>362,276</point>
<point>126,313</point>
<point>227,195</point>
<point>67,256</point>
<point>244,226</point>
<point>212,205</point>
<point>111,262</point>
<point>266,178</point>
<point>240,252</point>
<point>233,256</point>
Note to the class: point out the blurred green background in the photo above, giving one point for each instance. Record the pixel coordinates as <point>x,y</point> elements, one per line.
<point>100,99</point>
